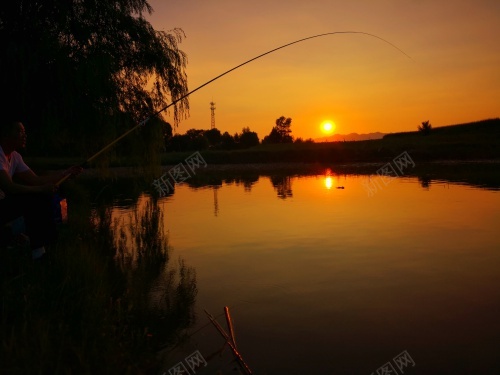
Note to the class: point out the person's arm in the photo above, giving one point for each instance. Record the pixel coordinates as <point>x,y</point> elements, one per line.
<point>10,187</point>
<point>30,178</point>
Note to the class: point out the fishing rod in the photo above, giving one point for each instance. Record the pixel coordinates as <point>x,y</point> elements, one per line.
<point>143,122</point>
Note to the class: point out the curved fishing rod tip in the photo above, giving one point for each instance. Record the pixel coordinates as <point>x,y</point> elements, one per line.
<point>143,122</point>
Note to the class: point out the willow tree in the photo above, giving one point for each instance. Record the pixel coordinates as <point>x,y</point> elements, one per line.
<point>79,73</point>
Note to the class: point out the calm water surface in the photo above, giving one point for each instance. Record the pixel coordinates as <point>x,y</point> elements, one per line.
<point>323,277</point>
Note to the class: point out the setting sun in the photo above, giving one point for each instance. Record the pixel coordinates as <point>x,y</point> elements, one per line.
<point>328,127</point>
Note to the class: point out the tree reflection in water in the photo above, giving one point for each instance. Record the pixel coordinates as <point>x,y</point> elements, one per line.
<point>283,186</point>
<point>106,302</point>
<point>159,294</point>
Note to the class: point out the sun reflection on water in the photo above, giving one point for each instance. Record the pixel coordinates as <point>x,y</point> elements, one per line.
<point>328,182</point>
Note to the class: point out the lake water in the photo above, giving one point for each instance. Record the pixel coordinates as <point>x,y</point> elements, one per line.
<point>325,276</point>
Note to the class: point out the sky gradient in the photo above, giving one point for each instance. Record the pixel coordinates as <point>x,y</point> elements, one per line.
<point>356,81</point>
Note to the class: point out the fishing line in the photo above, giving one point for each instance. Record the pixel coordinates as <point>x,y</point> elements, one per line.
<point>143,122</point>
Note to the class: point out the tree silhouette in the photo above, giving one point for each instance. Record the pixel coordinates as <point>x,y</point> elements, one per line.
<point>214,136</point>
<point>227,141</point>
<point>283,127</point>
<point>85,71</point>
<point>425,128</point>
<point>248,138</point>
<point>281,133</point>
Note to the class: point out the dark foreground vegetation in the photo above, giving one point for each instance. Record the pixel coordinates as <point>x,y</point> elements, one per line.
<point>105,301</point>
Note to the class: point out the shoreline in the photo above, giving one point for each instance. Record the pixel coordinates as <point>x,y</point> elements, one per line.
<point>366,167</point>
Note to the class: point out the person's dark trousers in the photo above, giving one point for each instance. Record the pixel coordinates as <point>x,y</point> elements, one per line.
<point>38,213</point>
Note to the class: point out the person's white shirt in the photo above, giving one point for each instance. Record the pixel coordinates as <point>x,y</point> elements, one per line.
<point>15,165</point>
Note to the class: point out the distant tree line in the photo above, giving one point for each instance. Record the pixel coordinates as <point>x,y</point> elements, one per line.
<point>199,139</point>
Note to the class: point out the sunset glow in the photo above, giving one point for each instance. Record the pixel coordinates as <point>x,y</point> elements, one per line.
<point>370,86</point>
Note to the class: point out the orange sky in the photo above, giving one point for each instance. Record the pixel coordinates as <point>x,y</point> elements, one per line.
<point>359,82</point>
